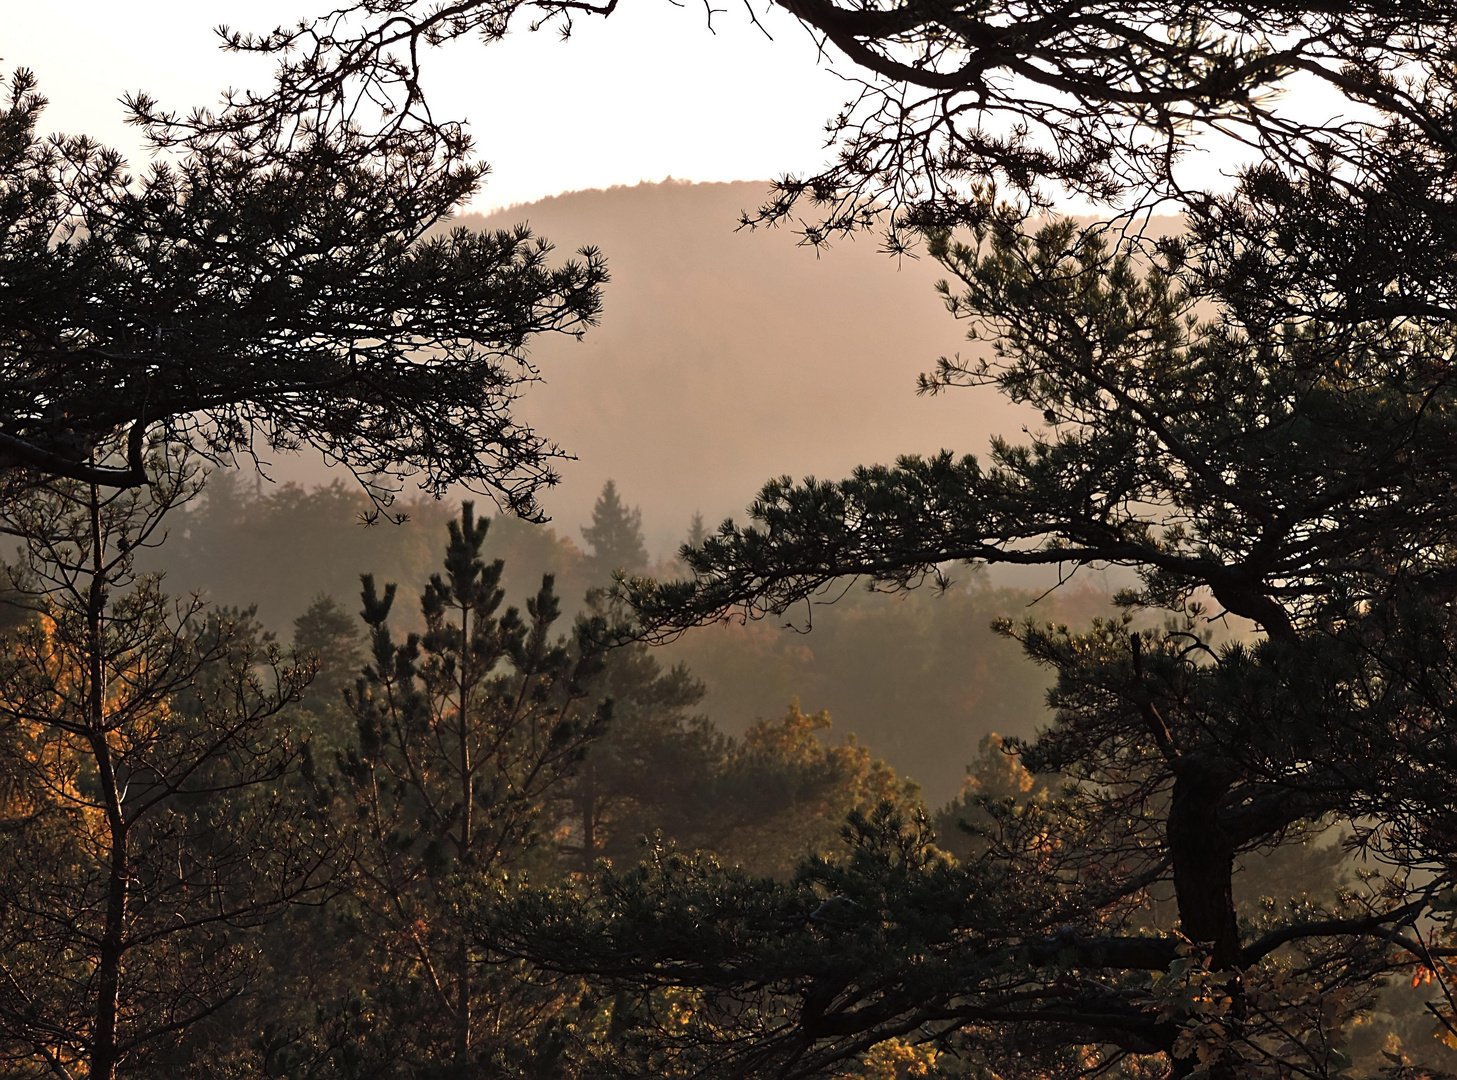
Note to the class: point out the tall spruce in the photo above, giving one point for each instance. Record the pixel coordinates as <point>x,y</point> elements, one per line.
<point>329,637</point>
<point>697,531</point>
<point>614,537</point>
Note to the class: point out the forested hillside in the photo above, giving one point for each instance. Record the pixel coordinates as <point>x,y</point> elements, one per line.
<point>919,678</point>
<point>1050,674</point>
<point>688,405</point>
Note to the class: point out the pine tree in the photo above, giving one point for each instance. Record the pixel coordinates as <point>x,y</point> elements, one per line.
<point>649,767</point>
<point>1261,429</point>
<point>697,531</point>
<point>255,290</point>
<point>466,733</point>
<point>327,635</point>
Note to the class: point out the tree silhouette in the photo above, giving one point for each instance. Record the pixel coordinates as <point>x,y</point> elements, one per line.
<point>1240,420</point>
<point>1101,98</point>
<point>615,536</point>
<point>151,808</point>
<point>283,295</point>
<point>464,735</point>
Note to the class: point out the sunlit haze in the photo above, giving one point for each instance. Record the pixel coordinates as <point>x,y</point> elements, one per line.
<point>776,360</point>
<point>649,93</point>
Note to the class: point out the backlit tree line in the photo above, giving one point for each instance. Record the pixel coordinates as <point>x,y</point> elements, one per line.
<point>1225,854</point>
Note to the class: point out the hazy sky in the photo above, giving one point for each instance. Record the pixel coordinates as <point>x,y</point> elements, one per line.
<point>648,93</point>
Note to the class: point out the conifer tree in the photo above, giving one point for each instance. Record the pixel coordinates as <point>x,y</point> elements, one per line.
<point>649,766</point>
<point>150,805</point>
<point>614,537</point>
<point>268,289</point>
<point>1260,425</point>
<point>697,531</point>
<point>465,734</point>
<point>329,636</point>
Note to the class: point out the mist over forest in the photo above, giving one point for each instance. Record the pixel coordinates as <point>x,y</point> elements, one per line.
<point>724,357</point>
<point>727,356</point>
<point>877,624</point>
<point>920,679</point>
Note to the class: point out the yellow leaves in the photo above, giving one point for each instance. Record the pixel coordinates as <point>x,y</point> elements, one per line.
<point>791,737</point>
<point>895,1059</point>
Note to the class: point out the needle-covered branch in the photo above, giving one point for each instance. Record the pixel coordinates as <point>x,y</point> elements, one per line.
<point>1323,467</point>
<point>1099,98</point>
<point>237,298</point>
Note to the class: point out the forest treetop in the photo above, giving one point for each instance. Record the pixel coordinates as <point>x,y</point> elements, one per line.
<point>1100,98</point>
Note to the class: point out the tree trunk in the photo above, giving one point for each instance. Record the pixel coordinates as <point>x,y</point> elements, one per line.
<point>118,876</point>
<point>1203,857</point>
<point>589,816</point>
<point>467,815</point>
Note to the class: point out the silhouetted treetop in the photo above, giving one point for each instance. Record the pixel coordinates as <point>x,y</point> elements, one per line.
<point>1283,465</point>
<point>238,296</point>
<point>615,535</point>
<point>1099,98</point>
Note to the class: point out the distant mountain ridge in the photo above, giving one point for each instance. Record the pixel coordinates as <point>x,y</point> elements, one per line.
<point>727,356</point>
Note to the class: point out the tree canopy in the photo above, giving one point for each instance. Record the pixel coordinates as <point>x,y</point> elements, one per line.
<point>1243,419</point>
<point>243,294</point>
<point>1256,417</point>
<point>1099,98</point>
<point>614,536</point>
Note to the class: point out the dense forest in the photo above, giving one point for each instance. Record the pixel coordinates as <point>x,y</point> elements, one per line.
<point>921,678</point>
<point>284,872</point>
<point>299,912</point>
<point>1124,748</point>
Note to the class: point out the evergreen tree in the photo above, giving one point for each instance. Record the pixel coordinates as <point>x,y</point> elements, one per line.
<point>697,531</point>
<point>465,735</point>
<point>1261,428</point>
<point>327,635</point>
<point>271,288</point>
<point>615,537</point>
<point>647,772</point>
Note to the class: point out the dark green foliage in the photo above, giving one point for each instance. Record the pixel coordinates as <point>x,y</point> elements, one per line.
<point>330,636</point>
<point>465,736</point>
<point>1246,455</point>
<point>648,770</point>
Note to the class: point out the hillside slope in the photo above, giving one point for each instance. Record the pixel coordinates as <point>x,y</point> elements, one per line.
<point>726,357</point>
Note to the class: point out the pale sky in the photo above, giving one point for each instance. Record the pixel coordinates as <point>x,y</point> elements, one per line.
<point>648,93</point>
